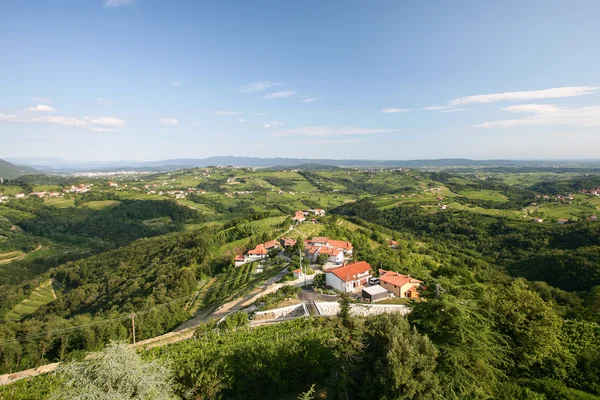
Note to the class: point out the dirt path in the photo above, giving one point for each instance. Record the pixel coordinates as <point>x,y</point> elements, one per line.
<point>21,256</point>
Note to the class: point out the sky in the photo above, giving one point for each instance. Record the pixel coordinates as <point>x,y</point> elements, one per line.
<point>155,79</point>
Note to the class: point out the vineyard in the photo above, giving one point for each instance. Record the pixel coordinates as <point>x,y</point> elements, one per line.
<point>238,281</point>
<point>42,295</point>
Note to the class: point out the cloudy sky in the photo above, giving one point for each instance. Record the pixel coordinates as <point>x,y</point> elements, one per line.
<point>152,79</point>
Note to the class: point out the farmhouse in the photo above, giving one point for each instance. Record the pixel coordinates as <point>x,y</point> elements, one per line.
<point>299,216</point>
<point>335,255</point>
<point>348,277</point>
<point>239,260</point>
<point>393,244</point>
<point>258,253</point>
<point>287,242</point>
<point>344,246</point>
<point>538,220</point>
<point>562,221</point>
<point>398,284</point>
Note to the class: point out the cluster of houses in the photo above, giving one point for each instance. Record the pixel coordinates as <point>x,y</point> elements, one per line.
<point>5,198</point>
<point>335,250</point>
<point>82,188</point>
<point>301,216</point>
<point>351,277</point>
<point>592,192</point>
<point>261,251</point>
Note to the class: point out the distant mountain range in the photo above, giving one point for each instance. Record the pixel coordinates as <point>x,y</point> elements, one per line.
<point>53,164</point>
<point>11,171</point>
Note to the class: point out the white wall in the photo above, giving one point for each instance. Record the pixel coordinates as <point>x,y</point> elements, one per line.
<point>335,282</point>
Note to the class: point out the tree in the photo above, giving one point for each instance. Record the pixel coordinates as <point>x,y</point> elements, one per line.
<point>472,354</point>
<point>401,361</point>
<point>117,372</point>
<point>534,332</point>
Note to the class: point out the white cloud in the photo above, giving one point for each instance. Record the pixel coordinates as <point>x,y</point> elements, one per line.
<point>169,121</point>
<point>272,124</point>
<point>242,120</point>
<point>451,110</point>
<point>554,93</point>
<point>325,131</point>
<point>90,123</point>
<point>310,100</point>
<point>395,110</point>
<point>548,114</point>
<point>118,3</point>
<point>8,117</point>
<point>226,113</point>
<point>110,121</point>
<point>176,83</point>
<point>435,108</point>
<point>278,95</point>
<point>41,99</point>
<point>257,86</point>
<point>41,107</point>
<point>101,100</point>
<point>260,113</point>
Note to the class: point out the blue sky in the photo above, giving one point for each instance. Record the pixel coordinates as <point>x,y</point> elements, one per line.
<point>150,79</point>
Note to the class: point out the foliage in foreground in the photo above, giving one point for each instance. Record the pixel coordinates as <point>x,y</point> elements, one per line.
<point>118,372</point>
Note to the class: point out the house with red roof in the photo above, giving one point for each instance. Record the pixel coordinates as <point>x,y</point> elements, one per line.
<point>402,286</point>
<point>348,277</point>
<point>321,241</point>
<point>299,216</point>
<point>287,242</point>
<point>239,260</point>
<point>336,256</point>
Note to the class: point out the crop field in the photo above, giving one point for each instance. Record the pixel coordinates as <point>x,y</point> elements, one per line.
<point>59,202</point>
<point>41,295</point>
<point>101,204</point>
<point>570,211</point>
<point>492,195</point>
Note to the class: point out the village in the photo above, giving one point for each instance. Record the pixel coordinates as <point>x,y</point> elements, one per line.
<point>329,267</point>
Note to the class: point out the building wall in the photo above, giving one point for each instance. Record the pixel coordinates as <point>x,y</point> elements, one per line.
<point>335,282</point>
<point>337,259</point>
<point>398,291</point>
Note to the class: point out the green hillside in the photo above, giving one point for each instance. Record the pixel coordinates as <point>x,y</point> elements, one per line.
<point>11,171</point>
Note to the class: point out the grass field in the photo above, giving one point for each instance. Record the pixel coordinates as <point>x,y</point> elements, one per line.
<point>101,204</point>
<point>59,202</point>
<point>569,211</point>
<point>42,295</point>
<point>492,195</point>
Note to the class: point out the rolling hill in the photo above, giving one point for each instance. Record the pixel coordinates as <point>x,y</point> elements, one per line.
<point>11,171</point>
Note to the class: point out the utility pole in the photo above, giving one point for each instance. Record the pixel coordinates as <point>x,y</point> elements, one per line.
<point>301,268</point>
<point>133,326</point>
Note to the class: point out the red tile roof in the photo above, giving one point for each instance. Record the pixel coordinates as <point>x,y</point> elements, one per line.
<point>329,251</point>
<point>320,239</point>
<point>312,249</point>
<point>271,243</point>
<point>340,244</point>
<point>239,258</point>
<point>287,242</point>
<point>349,272</point>
<point>259,249</point>
<point>394,278</point>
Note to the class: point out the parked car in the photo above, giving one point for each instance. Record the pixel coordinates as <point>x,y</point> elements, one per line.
<point>374,281</point>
